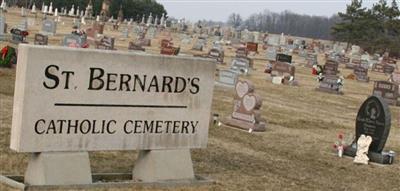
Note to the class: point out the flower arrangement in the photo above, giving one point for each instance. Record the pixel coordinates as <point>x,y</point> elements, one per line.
<point>340,145</point>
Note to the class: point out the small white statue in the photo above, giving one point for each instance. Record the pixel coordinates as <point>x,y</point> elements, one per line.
<point>362,149</point>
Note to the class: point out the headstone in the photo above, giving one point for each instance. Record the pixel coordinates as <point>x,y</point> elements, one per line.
<point>18,36</point>
<point>284,71</point>
<point>330,84</point>
<point>136,47</point>
<point>311,59</point>
<point>102,113</point>
<point>49,27</point>
<point>170,50</point>
<point>374,120</point>
<point>217,54</point>
<point>252,47</point>
<point>271,53</point>
<point>241,51</point>
<point>23,25</point>
<point>395,77</point>
<point>198,46</point>
<point>74,41</point>
<point>246,113</point>
<point>3,27</point>
<point>284,58</point>
<point>331,67</point>
<point>106,43</point>
<point>227,78</point>
<point>41,39</point>
<point>361,74</point>
<point>388,91</point>
<point>241,65</point>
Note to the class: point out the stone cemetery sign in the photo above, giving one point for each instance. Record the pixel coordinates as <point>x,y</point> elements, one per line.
<point>41,39</point>
<point>227,78</point>
<point>122,110</point>
<point>94,100</point>
<point>361,73</point>
<point>246,108</point>
<point>374,120</point>
<point>388,91</point>
<point>49,27</point>
<point>284,58</point>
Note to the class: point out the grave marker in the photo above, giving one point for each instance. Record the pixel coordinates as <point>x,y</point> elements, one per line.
<point>241,65</point>
<point>284,58</point>
<point>374,120</point>
<point>388,91</point>
<point>41,39</point>
<point>361,73</point>
<point>106,43</point>
<point>49,27</point>
<point>227,78</point>
<point>246,113</point>
<point>284,71</point>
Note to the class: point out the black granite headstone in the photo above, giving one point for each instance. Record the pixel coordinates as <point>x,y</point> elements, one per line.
<point>284,58</point>
<point>374,119</point>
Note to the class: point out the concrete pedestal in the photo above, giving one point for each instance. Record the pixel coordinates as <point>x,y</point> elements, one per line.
<point>163,165</point>
<point>58,168</point>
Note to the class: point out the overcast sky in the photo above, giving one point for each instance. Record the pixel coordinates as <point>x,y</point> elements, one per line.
<point>219,10</point>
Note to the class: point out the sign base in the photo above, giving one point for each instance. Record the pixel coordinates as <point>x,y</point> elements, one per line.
<point>58,168</point>
<point>162,165</point>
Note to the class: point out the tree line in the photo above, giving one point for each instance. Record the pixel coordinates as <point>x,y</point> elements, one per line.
<point>131,8</point>
<point>286,22</point>
<point>375,29</point>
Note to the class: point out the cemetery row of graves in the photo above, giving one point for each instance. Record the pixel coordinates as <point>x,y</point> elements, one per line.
<point>266,87</point>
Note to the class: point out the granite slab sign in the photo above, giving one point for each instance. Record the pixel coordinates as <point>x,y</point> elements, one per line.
<point>109,100</point>
<point>388,91</point>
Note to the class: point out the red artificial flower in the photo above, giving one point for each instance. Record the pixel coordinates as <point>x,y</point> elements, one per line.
<point>340,136</point>
<point>335,146</point>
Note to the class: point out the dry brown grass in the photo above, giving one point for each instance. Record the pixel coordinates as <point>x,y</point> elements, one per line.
<point>295,153</point>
